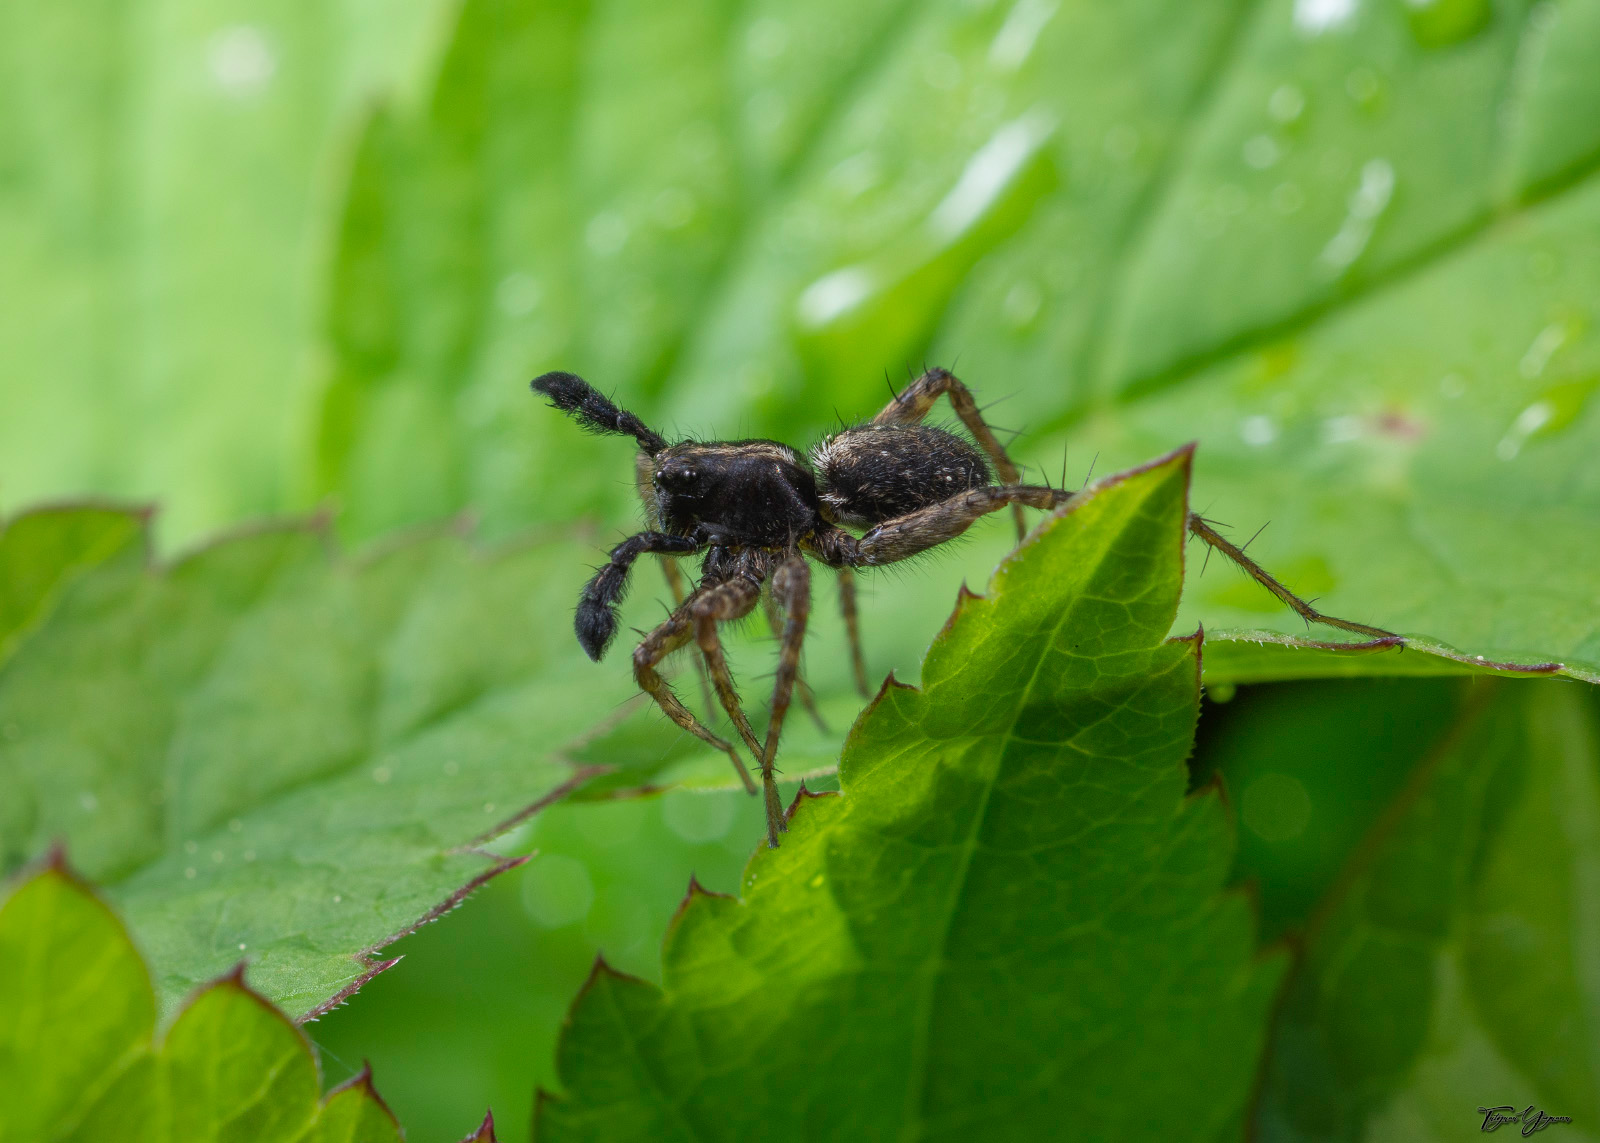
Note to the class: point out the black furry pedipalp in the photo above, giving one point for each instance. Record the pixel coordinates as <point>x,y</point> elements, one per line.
<point>595,621</point>
<point>572,394</point>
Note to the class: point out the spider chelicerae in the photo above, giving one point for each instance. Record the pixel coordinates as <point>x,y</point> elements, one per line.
<point>759,510</point>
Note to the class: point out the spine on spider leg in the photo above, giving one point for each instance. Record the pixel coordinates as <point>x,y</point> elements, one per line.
<point>596,618</point>
<point>574,395</point>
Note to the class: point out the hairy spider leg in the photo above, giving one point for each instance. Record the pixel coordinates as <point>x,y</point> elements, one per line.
<point>852,627</point>
<point>1255,571</point>
<point>791,587</point>
<point>674,632</point>
<point>775,621</point>
<point>644,468</point>
<point>731,599</point>
<point>914,402</point>
<point>916,532</point>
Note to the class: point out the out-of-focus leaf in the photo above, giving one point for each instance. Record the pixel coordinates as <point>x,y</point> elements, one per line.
<point>79,1059</point>
<point>1011,903</point>
<point>1309,767</point>
<point>40,553</point>
<point>729,215</point>
<point>169,174</point>
<point>470,1017</point>
<point>265,752</point>
<point>1423,456</point>
<point>1455,966</point>
<point>1349,247</point>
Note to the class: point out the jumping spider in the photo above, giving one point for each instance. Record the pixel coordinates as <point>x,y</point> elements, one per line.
<point>758,509</point>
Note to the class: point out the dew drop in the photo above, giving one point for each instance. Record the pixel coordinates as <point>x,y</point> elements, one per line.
<point>1261,152</point>
<point>381,774</point>
<point>241,60</point>
<point>557,891</point>
<point>1258,431</point>
<point>833,295</point>
<point>607,233</point>
<point>1013,43</point>
<point>765,111</point>
<point>1366,203</point>
<point>1314,17</point>
<point>1286,103</point>
<point>1022,304</point>
<point>1549,339</point>
<point>518,294</point>
<point>1339,430</point>
<point>857,174</point>
<point>767,39</point>
<point>88,801</point>
<point>698,817</point>
<point>1528,422</point>
<point>1363,86</point>
<point>989,173</point>
<point>1286,198</point>
<point>191,873</point>
<point>673,207</point>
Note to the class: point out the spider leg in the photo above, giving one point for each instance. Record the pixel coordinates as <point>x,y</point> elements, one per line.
<point>675,632</point>
<point>852,626</point>
<point>915,532</point>
<point>644,471</point>
<point>791,587</point>
<point>731,599</point>
<point>1256,572</point>
<point>808,699</point>
<point>915,400</point>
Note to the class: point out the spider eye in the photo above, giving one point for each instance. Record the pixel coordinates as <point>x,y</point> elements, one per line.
<point>673,477</point>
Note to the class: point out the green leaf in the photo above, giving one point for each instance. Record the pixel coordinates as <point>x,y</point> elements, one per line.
<point>78,1054</point>
<point>266,752</point>
<point>168,175</point>
<point>1455,966</point>
<point>1347,248</point>
<point>1011,903</point>
<point>42,551</point>
<point>1309,767</point>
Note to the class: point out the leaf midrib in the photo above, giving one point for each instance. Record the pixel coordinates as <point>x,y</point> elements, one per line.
<point>934,967</point>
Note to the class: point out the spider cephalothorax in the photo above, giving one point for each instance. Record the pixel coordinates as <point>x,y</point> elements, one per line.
<point>757,510</point>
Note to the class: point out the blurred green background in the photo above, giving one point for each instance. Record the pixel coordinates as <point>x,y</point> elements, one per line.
<point>263,257</point>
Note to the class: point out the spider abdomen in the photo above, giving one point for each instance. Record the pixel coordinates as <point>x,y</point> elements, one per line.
<point>873,473</point>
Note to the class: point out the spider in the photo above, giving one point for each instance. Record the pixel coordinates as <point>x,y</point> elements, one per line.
<point>759,509</point>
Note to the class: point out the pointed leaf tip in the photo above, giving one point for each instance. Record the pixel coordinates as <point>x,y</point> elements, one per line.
<point>485,1131</point>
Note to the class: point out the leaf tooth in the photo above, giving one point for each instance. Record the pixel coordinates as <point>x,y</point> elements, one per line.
<point>485,1131</point>
<point>370,969</point>
<point>363,1081</point>
<point>803,795</point>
